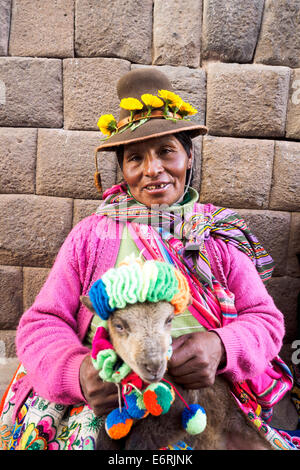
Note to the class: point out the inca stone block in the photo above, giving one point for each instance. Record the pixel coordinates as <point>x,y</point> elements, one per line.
<point>190,84</point>
<point>83,208</point>
<point>293,267</point>
<point>11,296</point>
<point>42,29</point>
<point>90,90</point>
<point>196,178</point>
<point>66,164</point>
<point>247,100</point>
<point>177,32</point>
<point>230,30</point>
<point>285,194</point>
<point>114,29</point>
<point>293,113</point>
<point>236,172</point>
<point>33,92</point>
<point>107,165</point>
<point>33,228</point>
<point>17,160</point>
<point>279,40</point>
<point>285,291</point>
<point>33,281</point>
<point>5,9</point>
<point>272,230</point>
<point>7,342</point>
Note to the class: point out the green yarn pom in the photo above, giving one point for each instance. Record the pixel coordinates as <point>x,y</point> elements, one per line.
<point>165,285</point>
<point>132,283</point>
<point>158,399</point>
<point>105,363</point>
<point>194,419</point>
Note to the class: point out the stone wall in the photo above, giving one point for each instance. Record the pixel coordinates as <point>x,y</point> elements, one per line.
<point>237,62</point>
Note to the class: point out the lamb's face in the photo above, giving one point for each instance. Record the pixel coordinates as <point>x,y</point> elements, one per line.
<point>140,334</point>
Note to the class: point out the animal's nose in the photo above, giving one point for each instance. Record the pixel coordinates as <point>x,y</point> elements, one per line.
<point>154,367</point>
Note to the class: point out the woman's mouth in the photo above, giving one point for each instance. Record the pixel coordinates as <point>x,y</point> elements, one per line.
<point>154,188</point>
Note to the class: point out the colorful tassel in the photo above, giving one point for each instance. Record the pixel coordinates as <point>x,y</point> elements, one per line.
<point>194,419</point>
<point>118,423</point>
<point>135,406</point>
<point>158,398</point>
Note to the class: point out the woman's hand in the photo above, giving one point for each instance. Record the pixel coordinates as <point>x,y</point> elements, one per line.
<point>196,358</point>
<point>101,396</point>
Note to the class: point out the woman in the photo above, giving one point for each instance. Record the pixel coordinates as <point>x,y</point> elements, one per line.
<point>232,326</point>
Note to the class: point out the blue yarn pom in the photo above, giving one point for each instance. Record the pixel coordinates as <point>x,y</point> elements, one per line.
<point>118,423</point>
<point>194,419</point>
<point>100,300</point>
<point>135,407</point>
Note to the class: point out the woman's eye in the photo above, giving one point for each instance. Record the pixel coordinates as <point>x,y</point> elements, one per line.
<point>133,158</point>
<point>166,150</point>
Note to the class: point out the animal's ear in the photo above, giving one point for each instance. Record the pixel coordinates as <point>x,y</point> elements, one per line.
<point>87,302</point>
<point>190,301</point>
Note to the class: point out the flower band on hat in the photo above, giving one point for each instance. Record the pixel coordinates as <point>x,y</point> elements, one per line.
<point>136,281</point>
<point>174,108</point>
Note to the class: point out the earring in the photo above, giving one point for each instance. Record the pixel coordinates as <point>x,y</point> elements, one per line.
<point>97,176</point>
<point>97,180</point>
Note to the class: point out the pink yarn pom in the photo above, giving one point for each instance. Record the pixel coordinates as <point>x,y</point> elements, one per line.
<point>100,341</point>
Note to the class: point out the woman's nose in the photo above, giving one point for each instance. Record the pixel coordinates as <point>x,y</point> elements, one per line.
<point>152,166</point>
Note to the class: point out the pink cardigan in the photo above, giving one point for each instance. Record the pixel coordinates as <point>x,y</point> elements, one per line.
<point>50,333</point>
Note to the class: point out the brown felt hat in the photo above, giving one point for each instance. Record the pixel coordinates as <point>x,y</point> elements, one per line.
<point>134,84</point>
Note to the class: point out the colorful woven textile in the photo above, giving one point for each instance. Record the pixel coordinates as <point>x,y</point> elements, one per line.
<point>177,236</point>
<point>192,226</point>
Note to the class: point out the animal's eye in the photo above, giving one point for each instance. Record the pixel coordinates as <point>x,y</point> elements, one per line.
<point>169,320</point>
<point>120,325</point>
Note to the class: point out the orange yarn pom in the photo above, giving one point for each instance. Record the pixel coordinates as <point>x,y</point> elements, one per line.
<point>150,400</point>
<point>158,398</point>
<point>118,423</point>
<point>182,299</point>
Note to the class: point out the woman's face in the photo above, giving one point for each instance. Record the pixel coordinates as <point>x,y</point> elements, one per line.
<point>155,170</point>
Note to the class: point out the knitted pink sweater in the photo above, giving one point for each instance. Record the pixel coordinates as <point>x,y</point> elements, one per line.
<point>50,334</point>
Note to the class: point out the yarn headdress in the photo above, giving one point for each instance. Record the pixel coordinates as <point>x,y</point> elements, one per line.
<point>131,282</point>
<point>137,281</point>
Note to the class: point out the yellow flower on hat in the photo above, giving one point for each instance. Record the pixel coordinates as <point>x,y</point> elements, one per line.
<point>151,100</point>
<point>187,110</point>
<point>107,124</point>
<point>131,104</point>
<point>170,98</point>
